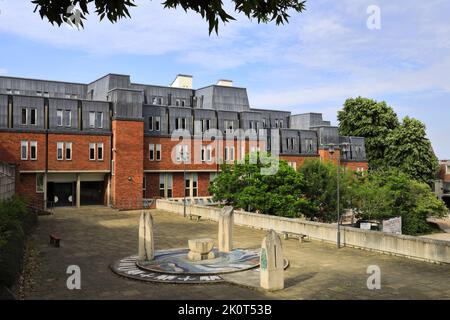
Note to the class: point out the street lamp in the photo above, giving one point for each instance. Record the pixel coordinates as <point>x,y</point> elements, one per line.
<point>331,150</point>
<point>184,180</point>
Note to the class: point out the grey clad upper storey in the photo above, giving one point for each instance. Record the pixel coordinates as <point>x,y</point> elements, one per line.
<point>91,107</point>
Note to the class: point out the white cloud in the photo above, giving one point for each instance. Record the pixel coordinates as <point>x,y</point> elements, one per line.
<point>3,71</point>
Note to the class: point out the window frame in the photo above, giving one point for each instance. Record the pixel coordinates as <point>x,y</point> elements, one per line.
<point>33,110</point>
<point>92,122</point>
<point>38,189</point>
<point>151,152</point>
<point>92,146</point>
<point>68,122</point>
<point>100,146</point>
<point>59,146</point>
<point>26,116</point>
<point>33,144</point>
<point>59,118</point>
<point>158,152</point>
<point>68,146</point>
<point>23,144</point>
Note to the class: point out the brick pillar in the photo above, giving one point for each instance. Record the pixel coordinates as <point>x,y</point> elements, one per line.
<point>326,156</point>
<point>126,184</point>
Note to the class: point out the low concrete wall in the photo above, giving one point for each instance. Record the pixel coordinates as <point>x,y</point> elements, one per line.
<point>408,246</point>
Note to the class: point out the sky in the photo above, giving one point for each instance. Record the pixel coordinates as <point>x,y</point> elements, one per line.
<point>322,57</point>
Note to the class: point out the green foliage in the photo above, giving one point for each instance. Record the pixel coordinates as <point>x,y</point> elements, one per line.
<point>362,117</point>
<point>244,186</point>
<point>212,11</point>
<point>408,149</point>
<point>392,193</point>
<point>321,189</point>
<point>15,222</point>
<point>389,143</point>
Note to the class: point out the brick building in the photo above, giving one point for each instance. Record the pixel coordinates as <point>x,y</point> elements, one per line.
<point>112,141</point>
<point>442,186</point>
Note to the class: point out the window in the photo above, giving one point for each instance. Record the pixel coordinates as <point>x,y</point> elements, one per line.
<point>157,123</point>
<point>100,119</point>
<point>206,154</point>
<point>183,123</point>
<point>151,152</point>
<point>33,118</point>
<point>68,118</point>
<point>68,150</point>
<point>150,123</point>
<point>39,93</point>
<point>194,184</point>
<point>229,126</point>
<point>293,165</point>
<point>59,118</point>
<point>281,123</point>
<point>229,154</point>
<point>264,123</point>
<point>33,150</point>
<point>309,145</point>
<point>183,103</point>
<point>162,185</point>
<point>165,185</point>
<point>59,150</point>
<point>252,125</point>
<point>169,185</point>
<point>177,102</point>
<point>91,151</point>
<point>155,100</point>
<point>92,119</point>
<point>46,94</point>
<point>158,152</point>
<point>39,182</point>
<point>24,116</point>
<point>206,124</point>
<point>24,150</point>
<point>100,151</point>
<point>187,185</point>
<point>276,124</point>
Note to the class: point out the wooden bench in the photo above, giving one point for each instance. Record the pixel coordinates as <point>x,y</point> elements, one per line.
<point>195,217</point>
<point>299,236</point>
<point>54,240</point>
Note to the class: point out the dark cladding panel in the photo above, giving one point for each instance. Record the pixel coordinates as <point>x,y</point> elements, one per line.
<point>100,111</point>
<point>127,103</point>
<point>19,103</point>
<point>3,111</point>
<point>151,113</point>
<point>65,106</point>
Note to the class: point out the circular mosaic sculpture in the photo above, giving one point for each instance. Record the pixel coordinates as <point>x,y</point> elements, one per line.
<point>176,262</point>
<point>173,266</point>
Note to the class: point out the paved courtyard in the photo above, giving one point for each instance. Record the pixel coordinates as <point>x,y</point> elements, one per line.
<point>93,237</point>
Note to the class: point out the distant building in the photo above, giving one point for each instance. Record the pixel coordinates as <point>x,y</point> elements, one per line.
<point>442,186</point>
<point>109,142</point>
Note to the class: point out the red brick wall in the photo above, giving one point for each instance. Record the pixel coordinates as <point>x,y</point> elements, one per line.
<point>128,139</point>
<point>442,173</point>
<point>80,152</point>
<point>10,150</point>
<point>326,156</point>
<point>26,187</point>
<point>355,165</point>
<point>299,160</point>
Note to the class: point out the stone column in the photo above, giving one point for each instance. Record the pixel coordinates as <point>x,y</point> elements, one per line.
<point>271,263</point>
<point>78,191</point>
<point>146,244</point>
<point>226,221</point>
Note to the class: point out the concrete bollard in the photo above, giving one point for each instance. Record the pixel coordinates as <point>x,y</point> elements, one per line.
<point>226,221</point>
<point>271,262</point>
<point>146,243</point>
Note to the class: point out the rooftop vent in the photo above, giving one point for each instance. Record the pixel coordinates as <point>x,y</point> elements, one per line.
<point>225,83</point>
<point>182,81</point>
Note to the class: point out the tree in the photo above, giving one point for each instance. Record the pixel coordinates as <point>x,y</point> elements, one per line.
<point>391,193</point>
<point>243,186</point>
<point>408,149</point>
<point>362,117</point>
<point>321,190</point>
<point>212,11</point>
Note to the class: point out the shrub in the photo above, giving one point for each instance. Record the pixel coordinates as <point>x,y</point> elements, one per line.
<point>15,221</point>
